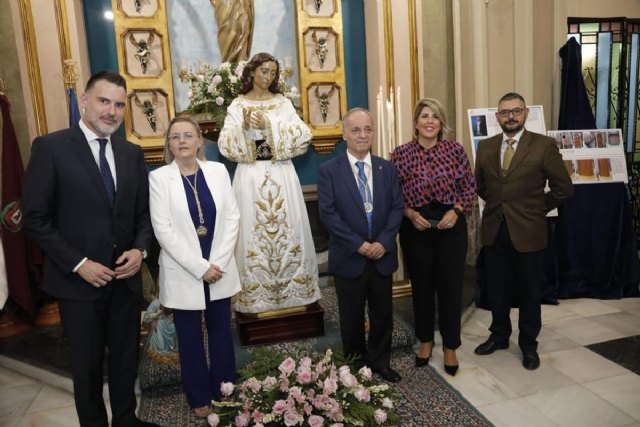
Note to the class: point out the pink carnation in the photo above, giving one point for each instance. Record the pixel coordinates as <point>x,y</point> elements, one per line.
<point>226,389</point>
<point>217,79</point>
<point>213,420</point>
<point>365,373</point>
<point>330,385</point>
<point>349,380</point>
<point>306,362</point>
<point>239,70</point>
<point>242,420</point>
<point>280,406</point>
<point>189,94</point>
<point>304,376</point>
<point>219,100</point>
<point>269,382</point>
<point>316,421</point>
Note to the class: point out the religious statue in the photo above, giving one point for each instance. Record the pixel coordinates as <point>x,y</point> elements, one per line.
<point>324,99</point>
<point>235,28</point>
<point>143,50</point>
<point>321,46</point>
<point>149,109</point>
<point>163,346</point>
<point>318,4</point>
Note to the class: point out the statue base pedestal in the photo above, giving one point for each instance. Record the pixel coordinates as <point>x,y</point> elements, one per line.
<point>282,325</point>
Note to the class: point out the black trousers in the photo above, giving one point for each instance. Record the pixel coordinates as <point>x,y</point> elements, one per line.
<point>111,321</point>
<point>372,289</point>
<point>436,262</point>
<point>513,273</point>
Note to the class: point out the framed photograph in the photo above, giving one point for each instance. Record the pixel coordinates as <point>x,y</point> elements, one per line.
<point>138,8</point>
<point>320,49</point>
<point>324,105</point>
<point>143,55</point>
<point>149,113</point>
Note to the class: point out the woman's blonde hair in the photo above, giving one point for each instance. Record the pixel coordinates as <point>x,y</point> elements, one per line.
<point>168,155</point>
<point>438,110</point>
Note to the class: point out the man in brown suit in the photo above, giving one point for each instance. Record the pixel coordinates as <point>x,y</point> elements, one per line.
<point>511,171</point>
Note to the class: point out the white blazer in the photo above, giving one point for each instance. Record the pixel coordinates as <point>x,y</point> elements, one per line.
<point>181,263</point>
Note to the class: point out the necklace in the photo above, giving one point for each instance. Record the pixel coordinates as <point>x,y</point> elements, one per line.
<point>368,206</point>
<point>201,230</point>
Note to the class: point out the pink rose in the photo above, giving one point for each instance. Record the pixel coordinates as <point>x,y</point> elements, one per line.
<point>242,420</point>
<point>380,416</point>
<point>316,421</point>
<point>344,370</point>
<point>213,420</point>
<point>239,70</point>
<point>268,383</point>
<point>280,406</point>
<point>189,94</point>
<point>291,418</point>
<point>257,416</point>
<point>216,79</point>
<point>219,100</point>
<point>287,366</point>
<point>349,380</point>
<point>226,389</point>
<point>304,376</point>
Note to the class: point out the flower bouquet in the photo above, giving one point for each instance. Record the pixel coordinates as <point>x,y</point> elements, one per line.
<point>308,390</point>
<point>214,88</point>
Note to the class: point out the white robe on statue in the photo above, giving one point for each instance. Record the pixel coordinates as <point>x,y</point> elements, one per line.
<point>275,253</point>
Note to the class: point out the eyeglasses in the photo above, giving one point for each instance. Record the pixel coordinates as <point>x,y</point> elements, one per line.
<point>517,112</point>
<point>176,137</point>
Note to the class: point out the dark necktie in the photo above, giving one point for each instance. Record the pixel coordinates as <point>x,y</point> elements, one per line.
<point>105,172</point>
<point>365,193</point>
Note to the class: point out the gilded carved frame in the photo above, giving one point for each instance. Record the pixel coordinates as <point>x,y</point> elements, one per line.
<point>150,92</point>
<point>322,87</point>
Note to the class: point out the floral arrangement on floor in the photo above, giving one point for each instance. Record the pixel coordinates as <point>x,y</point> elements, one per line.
<point>214,88</point>
<point>315,390</point>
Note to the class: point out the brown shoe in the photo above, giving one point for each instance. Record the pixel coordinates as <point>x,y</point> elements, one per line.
<point>202,412</point>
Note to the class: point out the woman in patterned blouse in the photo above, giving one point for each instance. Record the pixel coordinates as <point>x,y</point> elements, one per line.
<point>438,187</point>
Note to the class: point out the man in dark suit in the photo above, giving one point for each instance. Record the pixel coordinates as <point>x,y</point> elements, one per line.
<point>361,205</point>
<point>86,201</point>
<point>511,171</point>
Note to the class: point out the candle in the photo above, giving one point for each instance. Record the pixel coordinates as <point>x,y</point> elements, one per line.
<point>378,123</point>
<point>392,123</point>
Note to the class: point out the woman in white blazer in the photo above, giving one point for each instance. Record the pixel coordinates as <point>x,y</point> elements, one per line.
<point>195,219</point>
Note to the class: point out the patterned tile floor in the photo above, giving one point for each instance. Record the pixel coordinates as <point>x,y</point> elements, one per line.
<point>574,385</point>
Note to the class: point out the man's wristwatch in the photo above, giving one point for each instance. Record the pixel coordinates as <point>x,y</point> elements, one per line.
<point>457,211</point>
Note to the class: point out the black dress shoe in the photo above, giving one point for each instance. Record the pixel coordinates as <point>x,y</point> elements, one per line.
<point>422,361</point>
<point>388,374</point>
<point>530,360</point>
<point>489,346</point>
<point>451,369</point>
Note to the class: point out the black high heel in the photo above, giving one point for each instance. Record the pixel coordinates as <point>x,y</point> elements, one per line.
<point>424,361</point>
<point>451,369</point>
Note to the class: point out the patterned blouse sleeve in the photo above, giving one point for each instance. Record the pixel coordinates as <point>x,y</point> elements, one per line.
<point>465,182</point>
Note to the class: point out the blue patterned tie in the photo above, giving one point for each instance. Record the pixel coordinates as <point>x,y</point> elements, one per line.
<point>362,186</point>
<point>105,172</point>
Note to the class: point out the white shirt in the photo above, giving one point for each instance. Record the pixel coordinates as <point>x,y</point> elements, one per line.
<point>95,149</point>
<point>516,137</point>
<point>368,168</point>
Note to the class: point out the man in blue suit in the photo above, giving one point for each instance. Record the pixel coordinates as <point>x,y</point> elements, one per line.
<point>361,205</point>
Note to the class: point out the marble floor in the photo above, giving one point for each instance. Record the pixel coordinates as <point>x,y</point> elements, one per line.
<point>573,386</point>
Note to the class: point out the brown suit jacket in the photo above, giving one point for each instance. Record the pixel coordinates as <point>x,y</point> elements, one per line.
<point>518,197</point>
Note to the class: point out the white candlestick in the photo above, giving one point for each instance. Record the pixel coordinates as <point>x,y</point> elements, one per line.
<point>378,123</point>
<point>392,123</point>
